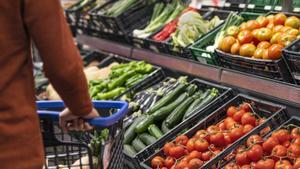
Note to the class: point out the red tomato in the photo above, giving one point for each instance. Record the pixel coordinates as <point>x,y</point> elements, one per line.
<point>279,151</point>
<point>182,140</point>
<point>247,128</point>
<point>169,162</point>
<point>255,153</point>
<point>265,164</point>
<point>202,134</point>
<point>265,130</point>
<point>226,43</point>
<point>217,139</point>
<point>177,151</point>
<point>282,135</point>
<point>157,162</point>
<point>269,144</point>
<point>275,38</point>
<point>231,110</point>
<point>286,39</point>
<point>286,144</point>
<point>235,48</point>
<point>293,22</point>
<point>243,26</point>
<point>182,165</point>
<point>263,21</point>
<point>264,34</point>
<point>222,126</point>
<point>264,45</point>
<point>277,28</point>
<point>229,123</point>
<point>294,151</point>
<point>190,145</point>
<point>242,159</point>
<point>279,19</point>
<point>259,53</point>
<point>195,163</point>
<point>274,52</point>
<point>296,140</point>
<point>238,115</point>
<point>295,133</point>
<point>253,24</point>
<point>233,31</point>
<point>227,138</point>
<point>245,106</point>
<point>236,133</point>
<point>245,36</point>
<point>297,163</point>
<point>212,129</point>
<point>201,145</point>
<point>231,166</point>
<point>248,118</point>
<point>167,147</point>
<point>207,155</point>
<point>195,154</point>
<point>271,25</point>
<point>283,164</point>
<point>254,139</point>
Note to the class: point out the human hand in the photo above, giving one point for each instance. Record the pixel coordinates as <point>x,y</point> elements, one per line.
<point>69,121</point>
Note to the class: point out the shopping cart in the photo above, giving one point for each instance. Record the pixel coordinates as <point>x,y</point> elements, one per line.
<point>100,148</point>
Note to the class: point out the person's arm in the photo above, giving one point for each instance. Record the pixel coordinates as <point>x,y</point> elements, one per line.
<point>46,24</point>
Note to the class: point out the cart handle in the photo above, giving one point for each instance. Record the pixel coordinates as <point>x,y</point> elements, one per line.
<point>100,121</point>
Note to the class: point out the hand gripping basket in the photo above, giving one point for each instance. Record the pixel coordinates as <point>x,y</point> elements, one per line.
<point>100,148</point>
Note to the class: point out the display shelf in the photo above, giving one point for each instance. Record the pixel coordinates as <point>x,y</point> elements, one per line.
<point>279,90</point>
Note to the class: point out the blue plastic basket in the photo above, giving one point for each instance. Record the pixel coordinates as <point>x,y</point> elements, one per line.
<point>82,150</point>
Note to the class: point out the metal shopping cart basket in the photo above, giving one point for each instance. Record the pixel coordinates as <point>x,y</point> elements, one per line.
<point>100,148</point>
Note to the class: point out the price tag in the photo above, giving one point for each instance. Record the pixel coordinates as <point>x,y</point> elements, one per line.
<point>242,5</point>
<point>296,9</point>
<point>268,7</point>
<point>227,4</point>
<point>278,8</point>
<point>251,6</point>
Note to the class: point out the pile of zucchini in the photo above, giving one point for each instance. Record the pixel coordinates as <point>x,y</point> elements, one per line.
<point>178,104</point>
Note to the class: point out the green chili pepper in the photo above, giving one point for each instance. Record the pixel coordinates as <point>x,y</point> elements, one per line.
<point>120,80</point>
<point>111,94</point>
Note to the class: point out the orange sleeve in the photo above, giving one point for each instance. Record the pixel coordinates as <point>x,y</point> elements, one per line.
<point>46,24</point>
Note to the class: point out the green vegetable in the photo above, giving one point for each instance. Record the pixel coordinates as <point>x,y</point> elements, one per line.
<point>191,89</point>
<point>147,138</point>
<point>192,107</point>
<point>119,7</point>
<point>130,133</point>
<point>138,145</point>
<point>133,80</point>
<point>163,112</point>
<point>162,14</point>
<point>120,81</point>
<point>176,116</point>
<point>129,150</point>
<point>164,127</point>
<point>213,93</point>
<point>168,98</point>
<point>144,124</point>
<point>155,131</point>
<point>98,139</point>
<point>110,95</point>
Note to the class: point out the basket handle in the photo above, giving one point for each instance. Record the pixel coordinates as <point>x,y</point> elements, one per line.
<point>99,122</point>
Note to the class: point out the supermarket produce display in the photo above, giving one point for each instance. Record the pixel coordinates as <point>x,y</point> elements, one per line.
<point>206,87</point>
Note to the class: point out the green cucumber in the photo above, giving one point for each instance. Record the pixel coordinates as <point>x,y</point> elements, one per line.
<point>176,116</point>
<point>168,98</point>
<point>204,102</point>
<point>164,128</point>
<point>129,150</point>
<point>130,133</point>
<point>191,89</point>
<point>155,131</point>
<point>138,145</point>
<point>147,138</point>
<point>144,124</point>
<point>192,107</point>
<point>163,112</point>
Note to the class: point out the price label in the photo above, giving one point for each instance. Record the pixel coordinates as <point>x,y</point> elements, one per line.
<point>242,5</point>
<point>227,4</point>
<point>278,8</point>
<point>268,7</point>
<point>296,9</point>
<point>251,6</point>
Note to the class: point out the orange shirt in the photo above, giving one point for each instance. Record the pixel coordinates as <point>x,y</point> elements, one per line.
<point>43,22</point>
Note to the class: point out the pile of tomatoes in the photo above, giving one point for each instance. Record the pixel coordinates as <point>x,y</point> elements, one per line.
<point>192,153</point>
<point>263,38</point>
<point>280,151</point>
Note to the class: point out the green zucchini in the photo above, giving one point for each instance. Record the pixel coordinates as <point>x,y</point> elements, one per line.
<point>168,98</point>
<point>130,133</point>
<point>164,128</point>
<point>144,124</point>
<point>176,116</point>
<point>138,145</point>
<point>155,131</point>
<point>163,112</point>
<point>147,138</point>
<point>204,102</point>
<point>191,89</point>
<point>192,107</point>
<point>129,150</point>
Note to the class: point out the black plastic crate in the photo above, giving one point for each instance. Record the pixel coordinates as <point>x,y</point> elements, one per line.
<point>273,69</point>
<point>123,23</point>
<point>292,56</point>
<point>278,121</point>
<point>225,94</point>
<point>262,108</point>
